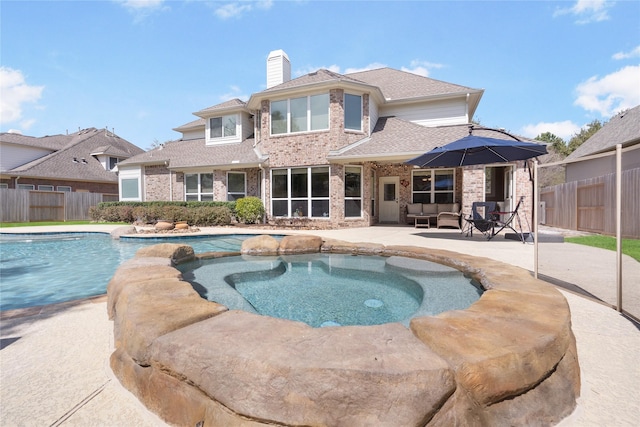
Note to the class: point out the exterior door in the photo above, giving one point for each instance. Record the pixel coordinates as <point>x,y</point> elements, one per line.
<point>389,206</point>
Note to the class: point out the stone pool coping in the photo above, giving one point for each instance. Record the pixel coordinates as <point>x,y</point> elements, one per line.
<point>510,358</point>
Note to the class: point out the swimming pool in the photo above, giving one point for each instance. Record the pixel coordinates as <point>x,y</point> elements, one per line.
<point>47,268</point>
<point>333,289</point>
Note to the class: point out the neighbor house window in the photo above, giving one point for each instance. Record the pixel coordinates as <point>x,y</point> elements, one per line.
<point>26,187</point>
<point>236,185</point>
<point>45,187</point>
<point>432,186</point>
<point>307,113</point>
<point>130,188</point>
<point>113,161</point>
<point>199,187</point>
<point>64,188</point>
<point>352,191</point>
<point>352,112</point>
<point>4,185</point>
<point>298,192</point>
<point>222,127</point>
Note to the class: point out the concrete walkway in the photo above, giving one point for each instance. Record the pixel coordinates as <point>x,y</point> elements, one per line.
<point>54,367</point>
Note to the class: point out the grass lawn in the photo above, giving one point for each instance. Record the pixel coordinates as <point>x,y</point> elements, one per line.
<point>35,224</point>
<point>630,247</point>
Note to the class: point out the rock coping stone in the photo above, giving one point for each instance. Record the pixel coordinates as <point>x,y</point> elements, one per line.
<point>509,359</point>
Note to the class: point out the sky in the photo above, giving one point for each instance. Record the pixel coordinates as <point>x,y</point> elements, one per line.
<point>142,67</point>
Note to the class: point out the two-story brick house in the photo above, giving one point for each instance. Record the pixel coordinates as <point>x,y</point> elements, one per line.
<point>328,147</point>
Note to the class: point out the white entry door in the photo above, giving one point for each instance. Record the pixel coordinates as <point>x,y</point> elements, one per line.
<point>389,206</point>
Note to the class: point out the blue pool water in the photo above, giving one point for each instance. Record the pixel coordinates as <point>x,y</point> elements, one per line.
<point>333,289</point>
<point>39,269</point>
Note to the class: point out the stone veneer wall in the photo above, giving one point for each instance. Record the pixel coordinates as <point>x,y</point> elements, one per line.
<point>509,359</point>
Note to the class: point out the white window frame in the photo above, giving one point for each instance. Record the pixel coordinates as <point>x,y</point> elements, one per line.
<point>353,198</point>
<point>45,187</point>
<point>432,190</point>
<point>209,195</point>
<point>130,175</point>
<point>65,188</point>
<point>309,115</point>
<point>26,187</point>
<point>224,138</point>
<point>236,193</point>
<point>4,185</point>
<point>359,129</point>
<point>308,200</point>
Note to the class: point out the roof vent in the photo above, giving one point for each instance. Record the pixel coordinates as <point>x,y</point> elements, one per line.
<point>278,68</point>
<point>75,160</point>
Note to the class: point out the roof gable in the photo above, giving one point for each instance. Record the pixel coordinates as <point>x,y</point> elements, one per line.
<point>624,128</point>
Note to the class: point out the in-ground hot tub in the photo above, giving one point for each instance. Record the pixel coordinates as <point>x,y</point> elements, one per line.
<point>510,358</point>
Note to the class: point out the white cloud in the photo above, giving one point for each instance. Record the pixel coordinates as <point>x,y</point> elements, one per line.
<point>626,55</point>
<point>15,92</point>
<point>310,69</point>
<point>587,11</point>
<point>564,130</point>
<point>234,92</point>
<point>612,93</point>
<point>237,9</point>
<point>371,66</point>
<point>421,68</point>
<point>141,9</point>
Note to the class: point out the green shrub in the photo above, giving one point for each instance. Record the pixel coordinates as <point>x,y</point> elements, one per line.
<point>195,213</point>
<point>249,210</point>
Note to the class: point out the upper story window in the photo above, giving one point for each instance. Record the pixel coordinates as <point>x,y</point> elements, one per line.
<point>45,187</point>
<point>352,112</point>
<point>221,128</point>
<point>307,113</point>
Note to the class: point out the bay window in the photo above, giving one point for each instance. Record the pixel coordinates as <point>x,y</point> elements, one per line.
<point>300,192</point>
<point>307,113</point>
<point>352,191</point>
<point>352,112</point>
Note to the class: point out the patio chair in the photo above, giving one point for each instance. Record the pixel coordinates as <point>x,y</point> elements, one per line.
<point>484,223</point>
<point>508,223</point>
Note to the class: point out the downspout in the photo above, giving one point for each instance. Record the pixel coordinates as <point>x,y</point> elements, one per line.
<point>16,182</point>
<point>170,183</point>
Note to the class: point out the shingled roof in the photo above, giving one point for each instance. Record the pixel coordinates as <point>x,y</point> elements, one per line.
<point>67,161</point>
<point>194,153</point>
<point>396,84</point>
<point>394,139</point>
<point>623,128</point>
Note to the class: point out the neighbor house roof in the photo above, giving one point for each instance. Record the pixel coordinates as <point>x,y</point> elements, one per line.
<point>394,139</point>
<point>67,162</point>
<point>193,153</point>
<point>623,128</point>
<point>53,142</point>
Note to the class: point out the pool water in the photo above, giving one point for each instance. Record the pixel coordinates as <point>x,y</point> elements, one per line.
<point>39,269</point>
<point>333,289</point>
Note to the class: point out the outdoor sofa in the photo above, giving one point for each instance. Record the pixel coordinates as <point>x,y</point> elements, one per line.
<point>440,214</point>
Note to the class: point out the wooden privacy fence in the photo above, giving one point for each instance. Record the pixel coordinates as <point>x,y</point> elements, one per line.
<point>32,206</point>
<point>589,205</point>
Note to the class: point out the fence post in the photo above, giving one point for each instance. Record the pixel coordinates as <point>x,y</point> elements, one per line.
<point>618,224</point>
<point>536,207</point>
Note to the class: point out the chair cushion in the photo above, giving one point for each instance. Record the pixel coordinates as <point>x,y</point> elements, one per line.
<point>429,208</point>
<point>414,208</point>
<point>445,207</point>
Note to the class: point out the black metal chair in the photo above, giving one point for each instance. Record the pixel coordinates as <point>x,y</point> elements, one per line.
<point>508,223</point>
<point>483,222</point>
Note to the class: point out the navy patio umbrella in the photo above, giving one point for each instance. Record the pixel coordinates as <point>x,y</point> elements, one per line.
<point>478,150</point>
